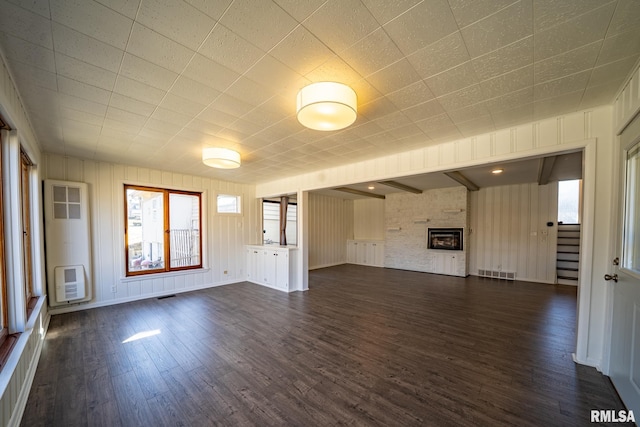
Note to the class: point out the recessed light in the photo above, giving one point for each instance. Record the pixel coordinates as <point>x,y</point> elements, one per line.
<point>371,187</point>
<point>497,171</point>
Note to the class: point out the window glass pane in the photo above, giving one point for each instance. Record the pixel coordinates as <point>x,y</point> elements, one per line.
<point>145,230</point>
<point>631,238</point>
<point>228,204</point>
<point>271,223</point>
<point>569,201</point>
<point>184,230</point>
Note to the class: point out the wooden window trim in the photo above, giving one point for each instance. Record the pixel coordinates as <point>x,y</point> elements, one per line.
<point>167,247</point>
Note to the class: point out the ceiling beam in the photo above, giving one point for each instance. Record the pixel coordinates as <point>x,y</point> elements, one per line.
<point>359,192</point>
<point>457,176</point>
<point>400,186</point>
<point>545,169</point>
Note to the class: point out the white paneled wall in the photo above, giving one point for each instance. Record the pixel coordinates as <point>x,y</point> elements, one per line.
<point>330,225</point>
<point>509,231</point>
<point>369,219</point>
<point>225,234</point>
<point>627,104</point>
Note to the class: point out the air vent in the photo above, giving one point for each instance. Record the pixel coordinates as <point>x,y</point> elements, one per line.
<point>497,274</point>
<point>69,283</point>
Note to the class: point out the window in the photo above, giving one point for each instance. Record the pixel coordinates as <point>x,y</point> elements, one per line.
<point>162,231</point>
<point>631,234</point>
<point>4,314</point>
<point>25,194</point>
<point>228,204</point>
<point>569,201</point>
<point>271,222</point>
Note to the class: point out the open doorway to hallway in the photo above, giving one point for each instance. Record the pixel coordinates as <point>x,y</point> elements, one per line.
<point>568,247</point>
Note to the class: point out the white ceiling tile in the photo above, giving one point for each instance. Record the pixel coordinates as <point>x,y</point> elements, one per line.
<point>374,109</point>
<point>138,90</point>
<point>411,95</point>
<point>126,117</point>
<point>341,23</point>
<point>173,117</point>
<point>300,9</point>
<point>75,103</point>
<point>191,89</point>
<point>270,72</point>
<point>83,90</point>
<point>394,77</point>
<point>249,91</point>
<point>335,69</point>
<point>616,71</point>
<point>83,72</point>
<point>372,53</point>
<point>210,73</point>
<point>147,44</point>
<point>410,32</point>
<point>181,105</point>
<point>567,63</point>
<point>86,49</point>
<point>25,24</point>
<point>601,94</point>
<point>255,21</point>
<point>176,20</point>
<point>424,110</point>
<point>169,129</point>
<point>462,98</point>
<point>619,46</point>
<point>229,49</point>
<point>579,31</point>
<point>468,12</point>
<point>508,58</point>
<point>453,80</point>
<point>301,51</point>
<point>446,53</point>
<point>549,13</point>
<point>41,7</point>
<point>562,104</point>
<point>510,101</point>
<point>216,117</point>
<point>145,72</point>
<point>230,105</point>
<point>81,116</point>
<point>508,82</point>
<point>385,10</point>
<point>557,87</point>
<point>131,105</point>
<point>93,19</point>
<point>476,126</point>
<point>513,116</point>
<point>35,77</point>
<point>214,9</point>
<point>626,18</point>
<point>509,25</point>
<point>128,8</point>
<point>28,53</point>
<point>469,113</point>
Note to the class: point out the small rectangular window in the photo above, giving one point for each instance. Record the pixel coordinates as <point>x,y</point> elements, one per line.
<point>631,234</point>
<point>228,204</point>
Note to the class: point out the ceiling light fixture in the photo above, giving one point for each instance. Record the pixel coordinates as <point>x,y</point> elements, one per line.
<point>497,171</point>
<point>371,187</point>
<point>327,106</point>
<point>221,158</point>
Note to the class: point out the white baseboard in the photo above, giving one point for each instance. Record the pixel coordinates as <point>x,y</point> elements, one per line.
<point>316,267</point>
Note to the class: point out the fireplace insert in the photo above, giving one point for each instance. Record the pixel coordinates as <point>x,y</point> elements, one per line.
<point>445,238</point>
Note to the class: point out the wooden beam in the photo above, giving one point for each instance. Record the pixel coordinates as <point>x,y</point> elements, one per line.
<point>545,169</point>
<point>401,186</point>
<point>359,192</point>
<point>457,176</point>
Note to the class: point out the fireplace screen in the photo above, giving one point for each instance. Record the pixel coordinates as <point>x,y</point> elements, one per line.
<point>445,238</point>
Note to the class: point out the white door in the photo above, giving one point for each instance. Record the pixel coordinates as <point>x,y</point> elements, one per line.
<point>624,364</point>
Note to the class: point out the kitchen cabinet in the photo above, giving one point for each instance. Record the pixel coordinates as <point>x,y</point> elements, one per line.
<point>272,266</point>
<point>366,252</point>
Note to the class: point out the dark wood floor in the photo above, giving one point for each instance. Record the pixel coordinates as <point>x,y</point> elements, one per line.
<point>365,346</point>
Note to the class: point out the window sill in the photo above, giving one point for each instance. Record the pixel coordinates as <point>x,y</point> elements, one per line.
<point>151,276</point>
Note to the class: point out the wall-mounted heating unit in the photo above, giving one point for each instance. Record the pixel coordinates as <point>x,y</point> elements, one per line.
<point>67,242</point>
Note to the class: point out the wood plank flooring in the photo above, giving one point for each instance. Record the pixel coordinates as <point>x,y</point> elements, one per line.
<point>365,346</point>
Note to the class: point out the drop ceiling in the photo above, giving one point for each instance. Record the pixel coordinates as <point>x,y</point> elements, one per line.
<point>150,83</point>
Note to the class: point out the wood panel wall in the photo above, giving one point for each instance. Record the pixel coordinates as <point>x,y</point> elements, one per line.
<point>369,219</point>
<point>510,232</point>
<point>330,225</point>
<point>225,234</point>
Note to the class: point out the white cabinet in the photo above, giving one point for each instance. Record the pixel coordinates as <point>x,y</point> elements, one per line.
<point>445,264</point>
<point>365,252</point>
<point>274,267</point>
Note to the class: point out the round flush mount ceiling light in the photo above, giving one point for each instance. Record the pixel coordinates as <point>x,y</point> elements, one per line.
<point>497,171</point>
<point>327,106</point>
<point>221,158</point>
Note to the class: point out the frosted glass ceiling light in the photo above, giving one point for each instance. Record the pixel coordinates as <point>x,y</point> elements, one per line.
<point>327,106</point>
<point>221,158</point>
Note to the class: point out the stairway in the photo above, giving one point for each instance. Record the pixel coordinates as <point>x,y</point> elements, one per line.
<point>568,254</point>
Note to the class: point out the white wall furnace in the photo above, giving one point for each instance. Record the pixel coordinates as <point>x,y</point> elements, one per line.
<point>67,242</point>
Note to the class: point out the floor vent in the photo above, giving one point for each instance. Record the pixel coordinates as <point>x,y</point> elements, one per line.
<point>505,275</point>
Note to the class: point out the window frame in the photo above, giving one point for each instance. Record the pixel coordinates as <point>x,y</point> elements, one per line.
<point>166,193</point>
<point>27,257</point>
<point>273,202</point>
<point>238,204</point>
